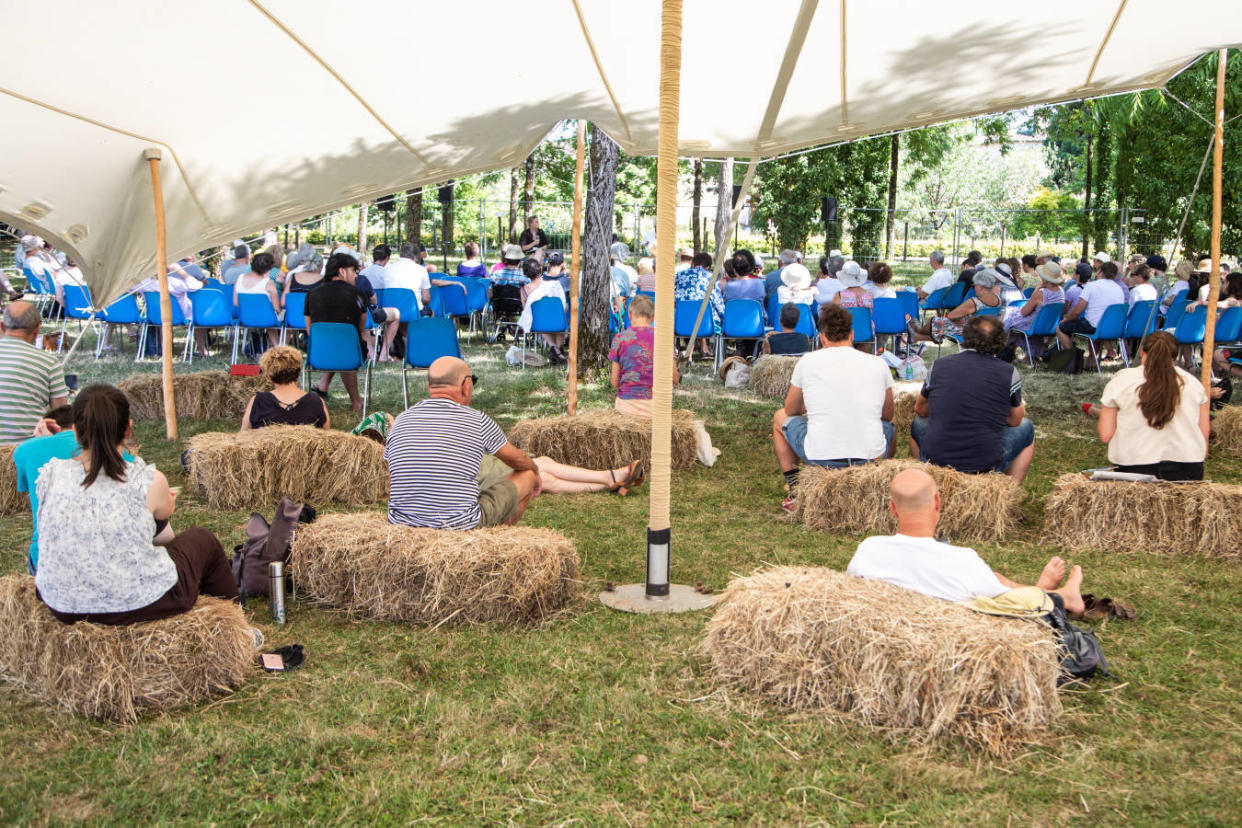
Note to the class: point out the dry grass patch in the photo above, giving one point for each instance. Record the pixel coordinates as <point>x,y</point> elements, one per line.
<point>974,507</point>
<point>369,567</point>
<point>602,439</point>
<point>311,465</point>
<point>116,672</point>
<point>202,395</point>
<point>12,502</point>
<point>1161,518</point>
<point>813,639</point>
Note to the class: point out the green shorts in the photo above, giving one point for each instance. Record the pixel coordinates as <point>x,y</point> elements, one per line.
<point>498,497</point>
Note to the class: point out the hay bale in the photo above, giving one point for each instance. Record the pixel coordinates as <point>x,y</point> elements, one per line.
<point>115,673</point>
<point>974,507</point>
<point>1161,518</point>
<point>770,374</point>
<point>904,396</point>
<point>1227,423</point>
<point>602,439</point>
<point>256,468</point>
<point>12,502</point>
<point>812,639</point>
<point>202,395</point>
<point>370,567</point>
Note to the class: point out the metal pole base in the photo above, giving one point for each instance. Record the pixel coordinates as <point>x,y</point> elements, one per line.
<point>680,598</point>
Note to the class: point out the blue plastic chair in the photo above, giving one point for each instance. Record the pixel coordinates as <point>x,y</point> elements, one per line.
<point>335,347</point>
<point>888,317</point>
<point>427,339</point>
<point>1174,314</point>
<point>295,311</point>
<point>684,312</point>
<point>254,311</point>
<point>909,303</point>
<point>773,310</point>
<point>743,319</point>
<point>1112,326</point>
<point>547,315</point>
<point>1192,326</point>
<point>476,299</point>
<point>210,309</point>
<point>154,319</point>
<point>1229,325</point>
<point>44,291</point>
<point>123,311</point>
<point>935,300</point>
<point>454,301</point>
<point>1029,292</point>
<point>1046,320</point>
<point>435,301</point>
<point>1140,321</point>
<point>402,299</point>
<point>955,295</point>
<point>77,306</point>
<point>806,322</point>
<point>864,330</point>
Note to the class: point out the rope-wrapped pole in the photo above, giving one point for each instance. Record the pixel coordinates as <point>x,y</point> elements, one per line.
<point>658,520</point>
<point>1218,154</point>
<point>161,269</point>
<point>575,252</point>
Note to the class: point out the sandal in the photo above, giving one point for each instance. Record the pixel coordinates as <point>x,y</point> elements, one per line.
<point>323,395</point>
<point>633,479</point>
<point>1100,608</point>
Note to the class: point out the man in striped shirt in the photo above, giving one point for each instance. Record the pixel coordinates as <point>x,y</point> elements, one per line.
<point>450,466</point>
<point>31,379</point>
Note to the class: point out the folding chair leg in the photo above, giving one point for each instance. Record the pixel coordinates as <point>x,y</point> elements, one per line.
<point>1121,343</point>
<point>405,389</point>
<point>233,360</point>
<point>1095,357</point>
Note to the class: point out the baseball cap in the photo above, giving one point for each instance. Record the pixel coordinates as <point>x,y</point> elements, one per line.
<point>1157,262</point>
<point>556,257</point>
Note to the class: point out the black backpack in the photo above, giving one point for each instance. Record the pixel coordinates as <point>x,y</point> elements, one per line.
<point>1081,654</point>
<point>1066,361</point>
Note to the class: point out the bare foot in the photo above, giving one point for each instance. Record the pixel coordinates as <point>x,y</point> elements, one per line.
<point>356,405</point>
<point>1071,593</point>
<point>1052,575</point>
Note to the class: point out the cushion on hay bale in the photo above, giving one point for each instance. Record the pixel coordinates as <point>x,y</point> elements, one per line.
<point>12,502</point>
<point>311,465</point>
<point>114,673</point>
<point>602,439</point>
<point>1227,423</point>
<point>1161,518</point>
<point>814,639</point>
<point>974,507</point>
<point>770,374</point>
<point>202,395</point>
<point>370,567</point>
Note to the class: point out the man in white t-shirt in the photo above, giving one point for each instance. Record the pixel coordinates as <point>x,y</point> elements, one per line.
<point>1086,313</point>
<point>839,409</point>
<point>405,272</point>
<point>914,559</point>
<point>940,278</point>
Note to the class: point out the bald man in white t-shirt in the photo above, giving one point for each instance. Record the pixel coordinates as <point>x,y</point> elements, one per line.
<point>914,559</point>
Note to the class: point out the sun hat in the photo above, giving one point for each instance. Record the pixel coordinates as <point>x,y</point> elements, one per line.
<point>512,253</point>
<point>851,274</point>
<point>832,253</point>
<point>796,276</point>
<point>1001,267</point>
<point>985,278</point>
<point>1051,273</point>
<point>1205,266</point>
<point>619,250</point>
<point>1102,258</point>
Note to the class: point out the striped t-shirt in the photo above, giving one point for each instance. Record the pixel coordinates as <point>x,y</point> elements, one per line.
<point>30,378</point>
<point>434,450</point>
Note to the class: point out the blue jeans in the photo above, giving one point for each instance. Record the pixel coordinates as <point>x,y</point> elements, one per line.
<point>795,434</point>
<point>1014,439</point>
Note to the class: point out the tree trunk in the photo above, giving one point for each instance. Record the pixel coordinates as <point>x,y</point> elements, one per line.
<point>1086,195</point>
<point>446,223</point>
<point>414,216</point>
<point>724,204</point>
<point>698,200</point>
<point>593,339</point>
<point>513,205</point>
<point>891,218</point>
<point>362,229</point>
<point>528,188</point>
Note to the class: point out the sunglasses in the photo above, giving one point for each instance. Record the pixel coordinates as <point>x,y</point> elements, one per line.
<point>473,379</point>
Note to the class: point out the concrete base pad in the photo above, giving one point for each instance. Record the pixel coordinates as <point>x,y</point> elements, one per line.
<point>633,598</point>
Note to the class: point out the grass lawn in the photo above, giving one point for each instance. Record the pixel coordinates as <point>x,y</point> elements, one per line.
<point>604,718</point>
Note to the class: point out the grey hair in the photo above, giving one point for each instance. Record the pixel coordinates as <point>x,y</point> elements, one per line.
<point>408,251</point>
<point>835,263</point>
<point>29,320</point>
<point>937,256</point>
<point>788,257</point>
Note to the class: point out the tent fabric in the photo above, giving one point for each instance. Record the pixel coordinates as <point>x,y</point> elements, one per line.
<point>273,110</point>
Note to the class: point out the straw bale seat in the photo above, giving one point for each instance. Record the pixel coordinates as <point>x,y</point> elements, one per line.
<point>369,567</point>
<point>603,439</point>
<point>236,470</point>
<point>12,502</point>
<point>202,395</point>
<point>811,639</point>
<point>770,375</point>
<point>974,507</point>
<point>1162,518</point>
<point>115,673</point>
<point>1227,425</point>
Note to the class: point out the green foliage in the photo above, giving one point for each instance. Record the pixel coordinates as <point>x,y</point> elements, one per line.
<point>1051,215</point>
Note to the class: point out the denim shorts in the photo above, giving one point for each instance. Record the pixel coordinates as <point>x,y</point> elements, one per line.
<point>1014,439</point>
<point>795,434</point>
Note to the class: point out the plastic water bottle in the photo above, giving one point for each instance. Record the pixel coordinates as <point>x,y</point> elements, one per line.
<point>909,369</point>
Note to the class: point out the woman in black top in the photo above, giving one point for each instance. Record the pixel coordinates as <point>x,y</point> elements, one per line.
<point>285,404</point>
<point>338,300</point>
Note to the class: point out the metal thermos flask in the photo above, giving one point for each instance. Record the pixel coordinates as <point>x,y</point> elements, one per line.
<point>276,574</point>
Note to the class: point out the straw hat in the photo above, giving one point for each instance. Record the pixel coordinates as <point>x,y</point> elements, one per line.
<point>851,274</point>
<point>796,276</point>
<point>1205,266</point>
<point>1051,273</point>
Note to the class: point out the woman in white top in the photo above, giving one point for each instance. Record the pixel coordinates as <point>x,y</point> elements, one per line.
<point>97,517</point>
<point>879,278</point>
<point>1155,418</point>
<point>257,282</point>
<point>796,285</point>
<point>542,286</point>
<point>1141,288</point>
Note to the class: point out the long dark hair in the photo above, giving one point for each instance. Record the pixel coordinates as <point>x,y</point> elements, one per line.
<point>100,420</point>
<point>1161,390</point>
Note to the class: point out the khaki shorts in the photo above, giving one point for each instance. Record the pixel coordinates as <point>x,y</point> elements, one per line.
<point>498,497</point>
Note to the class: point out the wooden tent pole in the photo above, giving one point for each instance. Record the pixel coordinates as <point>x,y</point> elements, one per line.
<point>575,252</point>
<point>161,269</point>
<point>1218,153</point>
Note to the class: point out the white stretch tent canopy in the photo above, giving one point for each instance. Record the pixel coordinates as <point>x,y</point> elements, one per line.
<point>271,111</point>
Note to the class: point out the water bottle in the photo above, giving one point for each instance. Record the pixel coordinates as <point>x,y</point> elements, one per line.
<point>909,369</point>
<point>276,577</point>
